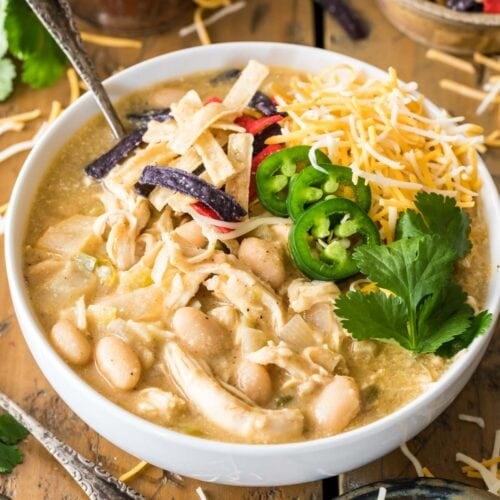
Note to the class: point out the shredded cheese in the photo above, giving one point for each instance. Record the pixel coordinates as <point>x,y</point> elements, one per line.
<point>3,208</point>
<point>427,472</point>
<point>22,117</point>
<point>111,41</point>
<point>382,492</point>
<point>74,89</point>
<point>133,472</point>
<point>465,90</point>
<point>470,418</point>
<point>455,62</point>
<point>21,146</point>
<point>489,479</point>
<point>413,459</point>
<point>201,493</point>
<point>493,93</point>
<point>487,61</point>
<point>382,130</point>
<point>493,139</point>
<point>55,111</point>
<point>11,126</point>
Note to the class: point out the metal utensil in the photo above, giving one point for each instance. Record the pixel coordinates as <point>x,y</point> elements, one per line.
<point>97,483</point>
<point>57,18</point>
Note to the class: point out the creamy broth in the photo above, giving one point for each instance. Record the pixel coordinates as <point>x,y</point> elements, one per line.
<point>386,375</point>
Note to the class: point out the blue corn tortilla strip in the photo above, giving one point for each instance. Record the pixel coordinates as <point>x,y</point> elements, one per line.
<point>143,189</point>
<point>259,141</point>
<point>229,74</point>
<point>142,119</point>
<point>464,5</point>
<point>226,207</point>
<point>263,103</point>
<point>352,23</point>
<point>101,167</point>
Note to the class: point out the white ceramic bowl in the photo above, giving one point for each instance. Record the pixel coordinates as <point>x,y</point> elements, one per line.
<point>203,459</point>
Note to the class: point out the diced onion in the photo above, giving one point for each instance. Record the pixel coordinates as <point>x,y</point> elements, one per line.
<point>297,333</point>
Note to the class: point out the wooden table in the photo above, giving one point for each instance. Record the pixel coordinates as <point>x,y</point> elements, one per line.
<point>295,21</point>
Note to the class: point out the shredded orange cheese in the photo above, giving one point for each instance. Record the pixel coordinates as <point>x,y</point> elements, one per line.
<point>3,208</point>
<point>382,130</point>
<point>133,472</point>
<point>427,472</point>
<point>55,111</point>
<point>487,61</point>
<point>74,89</point>
<point>111,41</point>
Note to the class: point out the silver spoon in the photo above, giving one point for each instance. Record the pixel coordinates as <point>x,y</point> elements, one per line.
<point>57,18</point>
<point>94,481</point>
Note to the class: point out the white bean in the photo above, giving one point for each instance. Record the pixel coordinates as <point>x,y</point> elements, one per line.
<point>118,363</point>
<point>264,259</point>
<point>200,333</point>
<point>191,232</point>
<point>337,404</point>
<point>71,343</point>
<point>255,382</point>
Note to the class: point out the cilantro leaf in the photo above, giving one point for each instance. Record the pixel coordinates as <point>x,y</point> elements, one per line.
<point>438,215</point>
<point>427,313</point>
<point>387,315</point>
<point>7,75</point>
<point>43,61</point>
<point>10,456</point>
<point>479,324</point>
<point>411,268</point>
<point>11,432</point>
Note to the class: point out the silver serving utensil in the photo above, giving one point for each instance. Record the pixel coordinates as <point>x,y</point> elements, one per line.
<point>58,19</point>
<point>97,483</point>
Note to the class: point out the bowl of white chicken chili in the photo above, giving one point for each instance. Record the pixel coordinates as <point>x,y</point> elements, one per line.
<point>279,274</point>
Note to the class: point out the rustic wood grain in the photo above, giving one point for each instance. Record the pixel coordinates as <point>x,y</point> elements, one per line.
<point>437,445</point>
<point>40,477</point>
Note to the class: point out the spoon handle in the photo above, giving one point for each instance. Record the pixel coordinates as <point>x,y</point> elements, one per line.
<point>96,483</point>
<point>57,18</point>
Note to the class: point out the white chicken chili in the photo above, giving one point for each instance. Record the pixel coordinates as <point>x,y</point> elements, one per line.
<point>228,269</point>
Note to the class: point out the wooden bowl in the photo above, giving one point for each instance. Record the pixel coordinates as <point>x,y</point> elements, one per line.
<point>442,28</point>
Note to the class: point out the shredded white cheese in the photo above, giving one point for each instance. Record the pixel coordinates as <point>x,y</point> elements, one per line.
<point>382,492</point>
<point>489,479</point>
<point>413,459</point>
<point>22,146</point>
<point>201,493</point>
<point>471,418</point>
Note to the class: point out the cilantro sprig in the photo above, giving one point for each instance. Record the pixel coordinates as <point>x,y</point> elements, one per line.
<point>420,307</point>
<point>11,432</point>
<point>23,37</point>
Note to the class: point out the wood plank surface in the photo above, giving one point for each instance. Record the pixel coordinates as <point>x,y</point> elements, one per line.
<point>40,477</point>
<point>437,445</point>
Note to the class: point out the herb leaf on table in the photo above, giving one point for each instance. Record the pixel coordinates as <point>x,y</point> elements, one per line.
<point>419,306</point>
<point>11,432</point>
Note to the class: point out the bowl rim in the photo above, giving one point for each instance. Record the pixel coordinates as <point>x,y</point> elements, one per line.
<point>30,325</point>
<point>431,9</point>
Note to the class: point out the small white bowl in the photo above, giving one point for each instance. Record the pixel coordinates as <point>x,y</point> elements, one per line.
<point>237,464</point>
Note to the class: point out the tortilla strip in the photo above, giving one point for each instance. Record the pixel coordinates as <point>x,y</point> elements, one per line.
<point>189,163</point>
<point>186,107</point>
<point>159,132</point>
<point>216,162</point>
<point>190,130</point>
<point>239,151</point>
<point>234,103</point>
<point>245,87</point>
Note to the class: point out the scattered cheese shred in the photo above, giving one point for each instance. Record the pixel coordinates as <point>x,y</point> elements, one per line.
<point>22,117</point>
<point>11,126</point>
<point>55,111</point>
<point>382,492</point>
<point>470,418</point>
<point>427,472</point>
<point>74,88</point>
<point>201,493</point>
<point>21,146</point>
<point>382,130</point>
<point>493,139</point>
<point>133,472</point>
<point>220,14</point>
<point>465,90</point>
<point>493,93</point>
<point>487,61</point>
<point>413,459</point>
<point>111,41</point>
<point>487,476</point>
<point>3,208</point>
<point>455,62</point>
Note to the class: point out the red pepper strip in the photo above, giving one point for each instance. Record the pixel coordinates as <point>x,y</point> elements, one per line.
<point>256,161</point>
<point>491,6</point>
<point>255,126</point>
<point>212,99</point>
<point>202,209</point>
